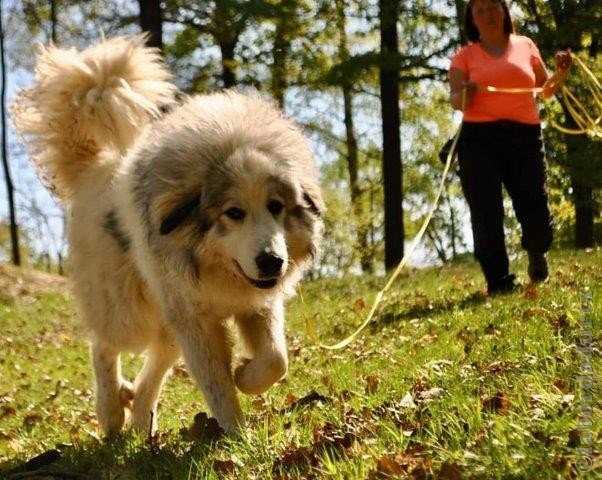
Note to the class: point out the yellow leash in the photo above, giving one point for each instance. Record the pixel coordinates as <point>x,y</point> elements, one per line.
<point>586,124</point>
<point>417,239</point>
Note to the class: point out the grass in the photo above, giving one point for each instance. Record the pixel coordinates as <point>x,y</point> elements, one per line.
<point>445,383</point>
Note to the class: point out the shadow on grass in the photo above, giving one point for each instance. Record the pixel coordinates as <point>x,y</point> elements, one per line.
<point>422,306</point>
<point>122,456</point>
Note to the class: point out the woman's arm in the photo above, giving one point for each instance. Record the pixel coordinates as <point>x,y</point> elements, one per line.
<point>457,83</point>
<point>551,85</point>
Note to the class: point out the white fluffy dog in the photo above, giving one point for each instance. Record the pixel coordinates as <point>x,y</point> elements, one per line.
<point>178,223</point>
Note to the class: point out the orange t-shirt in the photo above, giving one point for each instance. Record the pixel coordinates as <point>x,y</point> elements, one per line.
<point>513,69</point>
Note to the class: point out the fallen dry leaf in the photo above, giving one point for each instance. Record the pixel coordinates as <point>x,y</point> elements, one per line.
<point>15,446</point>
<point>203,428</point>
<point>359,305</point>
<point>329,383</point>
<point>410,464</point>
<point>562,385</point>
<point>290,399</point>
<point>497,403</point>
<point>449,471</point>
<point>293,457</point>
<point>311,398</point>
<point>222,467</point>
<point>560,323</point>
<point>260,402</point>
<point>372,382</point>
<point>333,438</point>
<point>431,394</point>
<point>390,465</point>
<point>531,292</point>
<point>574,438</point>
<point>499,366</point>
<point>180,371</point>
<point>407,401</point>
<point>6,411</point>
<point>31,418</point>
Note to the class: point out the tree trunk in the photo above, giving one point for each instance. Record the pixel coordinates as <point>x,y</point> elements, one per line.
<point>14,234</point>
<point>583,192</point>
<point>228,75</point>
<point>279,66</point>
<point>565,15</point>
<point>151,21</point>
<point>460,18</point>
<point>285,15</point>
<point>583,199</point>
<point>352,153</point>
<point>437,245</point>
<point>389,99</point>
<point>53,22</point>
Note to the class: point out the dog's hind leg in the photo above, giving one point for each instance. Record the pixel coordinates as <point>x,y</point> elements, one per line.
<point>208,355</point>
<point>263,335</point>
<point>160,357</point>
<point>113,393</point>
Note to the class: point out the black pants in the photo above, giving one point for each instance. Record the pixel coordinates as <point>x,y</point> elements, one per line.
<point>506,153</point>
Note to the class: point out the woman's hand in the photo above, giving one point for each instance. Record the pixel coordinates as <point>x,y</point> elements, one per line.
<point>563,60</point>
<point>462,90</point>
<point>463,96</point>
<point>471,89</point>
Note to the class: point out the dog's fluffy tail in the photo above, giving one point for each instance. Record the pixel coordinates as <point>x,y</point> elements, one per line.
<point>83,103</point>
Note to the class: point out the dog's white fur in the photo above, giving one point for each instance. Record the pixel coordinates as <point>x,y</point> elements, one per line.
<point>160,256</point>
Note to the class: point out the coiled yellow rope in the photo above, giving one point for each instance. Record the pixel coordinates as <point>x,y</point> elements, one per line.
<point>588,123</point>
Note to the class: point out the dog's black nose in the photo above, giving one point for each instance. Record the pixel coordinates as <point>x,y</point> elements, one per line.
<point>268,264</point>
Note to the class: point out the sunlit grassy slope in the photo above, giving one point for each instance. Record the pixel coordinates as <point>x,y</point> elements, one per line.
<point>445,383</point>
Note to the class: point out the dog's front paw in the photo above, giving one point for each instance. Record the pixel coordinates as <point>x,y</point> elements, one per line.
<point>113,410</point>
<point>143,421</point>
<point>126,394</point>
<point>257,375</point>
<point>232,426</point>
<point>111,420</point>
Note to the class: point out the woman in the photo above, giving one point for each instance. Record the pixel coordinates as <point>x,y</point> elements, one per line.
<point>501,141</point>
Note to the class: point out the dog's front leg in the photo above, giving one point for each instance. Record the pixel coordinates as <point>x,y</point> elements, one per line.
<point>263,334</point>
<point>208,355</point>
<point>113,393</point>
<point>160,356</point>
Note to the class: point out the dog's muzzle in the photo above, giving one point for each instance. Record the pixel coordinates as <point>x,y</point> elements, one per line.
<point>268,264</point>
<point>263,284</point>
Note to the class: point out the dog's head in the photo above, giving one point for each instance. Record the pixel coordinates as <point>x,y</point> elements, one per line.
<point>235,191</point>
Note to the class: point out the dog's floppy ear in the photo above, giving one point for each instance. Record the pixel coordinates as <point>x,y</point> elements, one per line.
<point>178,214</point>
<point>313,198</point>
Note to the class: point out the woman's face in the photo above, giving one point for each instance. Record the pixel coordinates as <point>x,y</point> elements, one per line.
<point>488,16</point>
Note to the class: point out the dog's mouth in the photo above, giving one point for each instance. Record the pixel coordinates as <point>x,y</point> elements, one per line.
<point>263,284</point>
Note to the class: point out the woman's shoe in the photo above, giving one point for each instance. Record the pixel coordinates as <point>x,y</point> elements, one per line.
<point>504,285</point>
<point>538,267</point>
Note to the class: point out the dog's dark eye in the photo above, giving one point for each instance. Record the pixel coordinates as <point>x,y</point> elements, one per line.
<point>275,207</point>
<point>235,213</point>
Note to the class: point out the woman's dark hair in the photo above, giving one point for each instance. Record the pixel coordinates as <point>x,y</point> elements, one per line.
<point>472,33</point>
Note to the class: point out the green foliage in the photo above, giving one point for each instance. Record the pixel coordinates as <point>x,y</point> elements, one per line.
<point>557,25</point>
<point>340,255</point>
<point>25,245</point>
<point>290,50</point>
